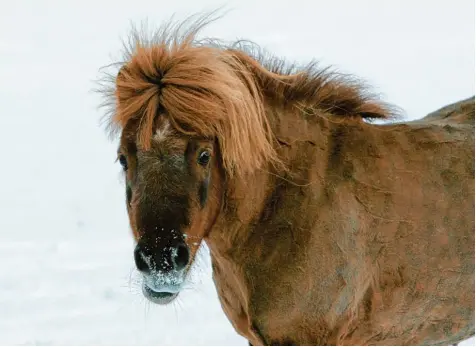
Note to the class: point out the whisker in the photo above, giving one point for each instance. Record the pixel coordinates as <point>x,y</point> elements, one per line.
<point>176,303</point>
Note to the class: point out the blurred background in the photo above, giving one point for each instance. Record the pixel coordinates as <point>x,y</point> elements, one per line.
<point>66,266</point>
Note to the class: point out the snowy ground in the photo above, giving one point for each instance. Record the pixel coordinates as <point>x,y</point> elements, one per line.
<point>65,248</point>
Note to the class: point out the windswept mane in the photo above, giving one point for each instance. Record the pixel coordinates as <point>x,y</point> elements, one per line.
<point>214,90</point>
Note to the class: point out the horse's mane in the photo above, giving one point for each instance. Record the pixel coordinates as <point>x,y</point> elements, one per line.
<point>215,90</point>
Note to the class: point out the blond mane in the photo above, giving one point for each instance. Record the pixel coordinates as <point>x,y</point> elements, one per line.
<point>220,91</point>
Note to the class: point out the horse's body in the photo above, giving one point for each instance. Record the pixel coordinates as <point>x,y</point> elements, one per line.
<point>369,242</point>
<point>323,229</point>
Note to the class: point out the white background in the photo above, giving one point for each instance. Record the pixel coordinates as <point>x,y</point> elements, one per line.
<point>65,247</point>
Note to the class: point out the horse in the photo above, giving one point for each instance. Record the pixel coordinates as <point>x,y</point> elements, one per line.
<point>329,219</point>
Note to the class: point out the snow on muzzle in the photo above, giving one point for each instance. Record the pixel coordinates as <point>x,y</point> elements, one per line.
<point>163,272</point>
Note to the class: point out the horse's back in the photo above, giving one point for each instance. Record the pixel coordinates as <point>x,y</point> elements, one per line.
<point>461,112</point>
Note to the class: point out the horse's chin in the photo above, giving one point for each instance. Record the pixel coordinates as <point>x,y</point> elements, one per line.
<point>161,288</point>
<point>159,298</point>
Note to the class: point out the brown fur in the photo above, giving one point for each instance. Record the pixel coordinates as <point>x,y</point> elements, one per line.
<point>323,229</point>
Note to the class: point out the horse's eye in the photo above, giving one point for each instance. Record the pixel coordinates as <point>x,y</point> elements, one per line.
<point>204,157</point>
<point>123,161</point>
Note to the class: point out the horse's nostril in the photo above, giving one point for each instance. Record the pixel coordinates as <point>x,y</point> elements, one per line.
<point>180,257</point>
<point>148,260</point>
<point>141,259</point>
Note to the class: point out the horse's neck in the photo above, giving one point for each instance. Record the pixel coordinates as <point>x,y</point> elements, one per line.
<point>243,200</point>
<point>265,224</point>
<point>302,144</point>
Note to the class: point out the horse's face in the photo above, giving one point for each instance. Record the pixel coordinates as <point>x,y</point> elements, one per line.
<point>172,196</point>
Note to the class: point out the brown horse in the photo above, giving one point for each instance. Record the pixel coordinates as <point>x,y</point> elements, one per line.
<point>323,227</point>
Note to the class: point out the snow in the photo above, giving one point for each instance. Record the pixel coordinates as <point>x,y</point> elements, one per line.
<point>66,264</point>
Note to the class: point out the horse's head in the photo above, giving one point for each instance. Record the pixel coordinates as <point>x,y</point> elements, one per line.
<point>173,196</point>
<point>189,116</point>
